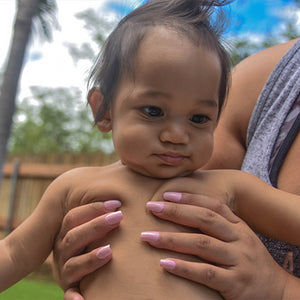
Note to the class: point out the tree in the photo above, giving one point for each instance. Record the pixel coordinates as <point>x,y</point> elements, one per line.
<point>28,11</point>
<point>98,29</point>
<point>55,120</point>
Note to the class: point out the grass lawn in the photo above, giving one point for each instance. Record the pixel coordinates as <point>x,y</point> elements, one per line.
<point>30,289</point>
<point>39,285</point>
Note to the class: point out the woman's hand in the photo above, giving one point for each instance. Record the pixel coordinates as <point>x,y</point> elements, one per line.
<point>81,226</point>
<point>238,265</point>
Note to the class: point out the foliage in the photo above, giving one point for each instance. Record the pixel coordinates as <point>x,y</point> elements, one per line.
<point>98,29</point>
<point>55,120</point>
<point>45,19</point>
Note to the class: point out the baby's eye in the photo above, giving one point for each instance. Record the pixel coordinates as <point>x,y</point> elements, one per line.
<point>152,111</point>
<point>199,119</point>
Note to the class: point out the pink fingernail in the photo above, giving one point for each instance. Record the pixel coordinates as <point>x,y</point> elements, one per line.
<point>156,206</point>
<point>103,252</point>
<point>112,204</point>
<point>114,218</point>
<point>172,196</point>
<point>150,236</point>
<point>167,264</point>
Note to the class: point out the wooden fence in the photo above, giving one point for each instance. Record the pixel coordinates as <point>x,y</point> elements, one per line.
<point>26,179</point>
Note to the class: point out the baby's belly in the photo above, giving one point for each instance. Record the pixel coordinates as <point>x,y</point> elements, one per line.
<point>134,271</point>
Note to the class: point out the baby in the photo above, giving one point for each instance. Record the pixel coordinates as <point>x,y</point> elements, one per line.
<point>159,85</point>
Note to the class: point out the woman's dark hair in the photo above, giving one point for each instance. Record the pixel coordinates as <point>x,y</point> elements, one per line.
<point>200,21</point>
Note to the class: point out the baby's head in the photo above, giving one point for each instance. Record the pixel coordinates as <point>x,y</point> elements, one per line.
<point>161,83</point>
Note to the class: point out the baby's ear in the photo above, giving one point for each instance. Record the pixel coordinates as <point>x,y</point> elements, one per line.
<point>95,99</point>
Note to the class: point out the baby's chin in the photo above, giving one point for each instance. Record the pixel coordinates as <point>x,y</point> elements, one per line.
<point>161,174</point>
<point>183,174</point>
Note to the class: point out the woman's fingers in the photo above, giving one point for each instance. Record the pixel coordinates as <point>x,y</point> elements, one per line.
<point>212,276</point>
<point>81,236</point>
<point>211,203</point>
<point>255,275</point>
<point>197,244</point>
<point>82,214</point>
<point>82,226</point>
<point>206,220</point>
<point>79,266</point>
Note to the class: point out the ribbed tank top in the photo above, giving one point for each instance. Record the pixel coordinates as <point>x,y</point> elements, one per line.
<point>274,124</point>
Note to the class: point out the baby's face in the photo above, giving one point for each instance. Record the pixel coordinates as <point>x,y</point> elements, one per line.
<point>163,119</point>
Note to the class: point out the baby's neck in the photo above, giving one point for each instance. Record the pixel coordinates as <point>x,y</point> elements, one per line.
<point>155,176</point>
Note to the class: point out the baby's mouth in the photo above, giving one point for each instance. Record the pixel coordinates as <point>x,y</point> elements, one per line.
<point>171,159</point>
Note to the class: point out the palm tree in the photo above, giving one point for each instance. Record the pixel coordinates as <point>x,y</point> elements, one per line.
<point>30,15</point>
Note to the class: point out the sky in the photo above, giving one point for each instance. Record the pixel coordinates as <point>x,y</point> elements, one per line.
<point>50,65</point>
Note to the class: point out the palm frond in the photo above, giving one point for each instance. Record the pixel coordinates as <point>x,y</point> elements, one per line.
<point>45,19</point>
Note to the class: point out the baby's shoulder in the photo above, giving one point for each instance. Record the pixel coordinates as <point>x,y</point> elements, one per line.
<point>83,185</point>
<point>92,184</point>
<point>81,175</point>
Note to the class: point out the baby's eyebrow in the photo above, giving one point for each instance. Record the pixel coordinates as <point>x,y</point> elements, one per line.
<point>161,94</point>
<point>154,93</point>
<point>209,102</point>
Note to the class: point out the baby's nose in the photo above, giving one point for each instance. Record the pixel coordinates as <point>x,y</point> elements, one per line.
<point>174,133</point>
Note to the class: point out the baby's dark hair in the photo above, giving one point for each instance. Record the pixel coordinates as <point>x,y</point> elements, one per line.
<point>195,19</point>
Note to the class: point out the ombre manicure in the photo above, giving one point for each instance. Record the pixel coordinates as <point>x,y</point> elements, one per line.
<point>112,204</point>
<point>114,218</point>
<point>150,236</point>
<point>172,196</point>
<point>103,252</point>
<point>168,264</point>
<point>155,206</point>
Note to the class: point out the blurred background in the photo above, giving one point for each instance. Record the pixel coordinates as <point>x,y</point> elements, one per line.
<point>47,49</point>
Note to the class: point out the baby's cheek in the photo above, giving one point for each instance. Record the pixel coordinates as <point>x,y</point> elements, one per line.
<point>204,153</point>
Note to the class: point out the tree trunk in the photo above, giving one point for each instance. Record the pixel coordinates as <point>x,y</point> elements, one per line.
<point>26,10</point>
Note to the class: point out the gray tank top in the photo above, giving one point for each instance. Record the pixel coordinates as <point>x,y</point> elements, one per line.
<point>274,124</point>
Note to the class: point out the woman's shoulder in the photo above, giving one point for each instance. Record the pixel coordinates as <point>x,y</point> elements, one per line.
<point>263,62</point>
<point>248,80</point>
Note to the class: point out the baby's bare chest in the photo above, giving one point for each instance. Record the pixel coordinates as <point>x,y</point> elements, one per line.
<point>134,271</point>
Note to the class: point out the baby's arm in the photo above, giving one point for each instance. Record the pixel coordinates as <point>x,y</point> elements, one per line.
<point>30,244</point>
<point>268,210</point>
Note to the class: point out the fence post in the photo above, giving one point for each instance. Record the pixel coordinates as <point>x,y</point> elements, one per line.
<point>12,198</point>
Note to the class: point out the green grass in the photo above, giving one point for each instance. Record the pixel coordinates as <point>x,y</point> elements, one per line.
<point>30,289</point>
